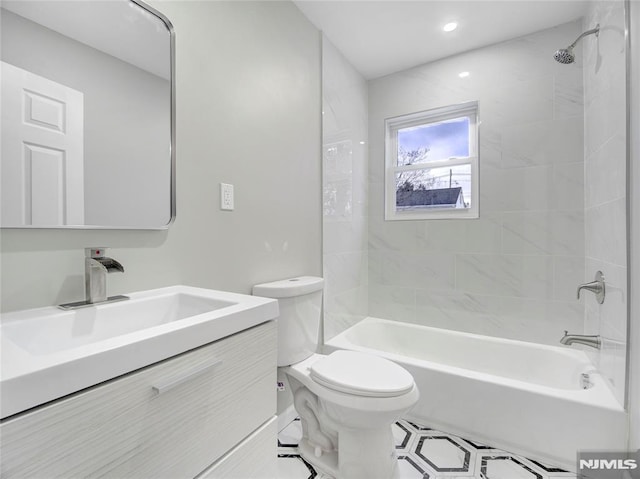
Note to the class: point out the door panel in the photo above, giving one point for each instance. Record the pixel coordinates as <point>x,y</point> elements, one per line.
<point>42,151</point>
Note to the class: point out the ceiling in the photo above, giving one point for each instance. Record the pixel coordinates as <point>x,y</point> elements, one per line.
<point>385,36</point>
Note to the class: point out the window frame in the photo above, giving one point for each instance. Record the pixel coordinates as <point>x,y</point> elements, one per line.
<point>435,115</point>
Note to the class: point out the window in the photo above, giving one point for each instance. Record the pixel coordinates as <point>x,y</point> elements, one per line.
<point>432,164</point>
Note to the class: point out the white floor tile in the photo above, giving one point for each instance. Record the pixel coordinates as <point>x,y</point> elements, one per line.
<point>507,467</point>
<point>293,468</point>
<point>291,434</point>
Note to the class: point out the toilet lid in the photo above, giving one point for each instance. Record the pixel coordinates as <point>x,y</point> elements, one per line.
<point>361,374</point>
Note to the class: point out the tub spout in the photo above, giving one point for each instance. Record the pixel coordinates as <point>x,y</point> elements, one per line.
<point>592,340</point>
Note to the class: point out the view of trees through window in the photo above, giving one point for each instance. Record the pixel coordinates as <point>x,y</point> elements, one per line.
<point>431,164</point>
<point>427,143</point>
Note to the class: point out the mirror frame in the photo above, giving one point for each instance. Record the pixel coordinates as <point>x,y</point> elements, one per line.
<point>172,139</point>
<point>172,142</point>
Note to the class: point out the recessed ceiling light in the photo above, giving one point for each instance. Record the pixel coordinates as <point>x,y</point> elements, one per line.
<point>463,74</point>
<point>449,27</point>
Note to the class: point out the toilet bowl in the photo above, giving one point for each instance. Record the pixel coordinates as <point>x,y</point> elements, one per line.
<point>347,401</point>
<point>349,415</point>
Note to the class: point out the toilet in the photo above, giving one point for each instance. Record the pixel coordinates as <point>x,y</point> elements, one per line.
<point>347,401</point>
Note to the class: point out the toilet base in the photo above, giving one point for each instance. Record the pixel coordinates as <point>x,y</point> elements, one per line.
<point>362,454</point>
<point>327,463</point>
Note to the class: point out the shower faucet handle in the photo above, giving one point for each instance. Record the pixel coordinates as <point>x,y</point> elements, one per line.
<point>597,287</point>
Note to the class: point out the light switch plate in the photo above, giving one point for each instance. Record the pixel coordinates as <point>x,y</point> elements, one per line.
<point>226,197</point>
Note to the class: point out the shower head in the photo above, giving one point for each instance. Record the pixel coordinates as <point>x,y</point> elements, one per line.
<point>566,55</point>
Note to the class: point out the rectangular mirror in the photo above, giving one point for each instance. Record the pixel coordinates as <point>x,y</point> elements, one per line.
<point>88,131</point>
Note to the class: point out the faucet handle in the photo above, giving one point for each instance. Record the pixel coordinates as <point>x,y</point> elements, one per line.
<point>95,252</point>
<point>97,255</point>
<point>596,286</point>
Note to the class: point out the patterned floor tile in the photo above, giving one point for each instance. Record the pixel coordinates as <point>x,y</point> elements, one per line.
<point>408,468</point>
<point>402,435</point>
<point>292,466</point>
<point>425,453</point>
<point>553,471</point>
<point>504,466</point>
<point>444,454</point>
<point>290,436</point>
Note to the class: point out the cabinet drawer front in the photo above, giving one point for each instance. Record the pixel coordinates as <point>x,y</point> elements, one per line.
<point>171,419</point>
<point>254,458</point>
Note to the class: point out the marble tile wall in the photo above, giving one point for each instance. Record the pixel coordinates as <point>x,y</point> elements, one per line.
<point>605,185</point>
<point>344,183</point>
<point>512,272</point>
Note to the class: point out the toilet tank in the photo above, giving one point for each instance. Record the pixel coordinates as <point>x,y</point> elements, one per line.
<point>300,303</point>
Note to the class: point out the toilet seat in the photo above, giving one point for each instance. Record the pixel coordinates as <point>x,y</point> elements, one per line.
<point>361,374</point>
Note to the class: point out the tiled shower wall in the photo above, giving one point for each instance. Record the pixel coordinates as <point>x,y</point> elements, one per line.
<point>344,183</point>
<point>605,185</point>
<point>513,272</point>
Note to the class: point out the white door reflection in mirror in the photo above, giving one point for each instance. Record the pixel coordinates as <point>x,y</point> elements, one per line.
<point>119,54</point>
<point>42,151</point>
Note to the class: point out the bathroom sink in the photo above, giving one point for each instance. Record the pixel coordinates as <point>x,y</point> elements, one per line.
<point>53,331</point>
<point>47,353</point>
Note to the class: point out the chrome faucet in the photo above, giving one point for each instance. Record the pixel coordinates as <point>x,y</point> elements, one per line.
<point>593,340</point>
<point>597,287</point>
<point>96,268</point>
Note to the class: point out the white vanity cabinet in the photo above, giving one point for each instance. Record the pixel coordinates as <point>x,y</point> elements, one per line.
<point>191,415</point>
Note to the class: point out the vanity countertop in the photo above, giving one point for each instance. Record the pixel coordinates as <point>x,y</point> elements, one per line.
<point>48,353</point>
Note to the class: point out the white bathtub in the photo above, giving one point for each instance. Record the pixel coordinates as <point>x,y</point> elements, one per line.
<point>522,397</point>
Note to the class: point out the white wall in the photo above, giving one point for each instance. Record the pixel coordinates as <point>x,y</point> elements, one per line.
<point>249,98</point>
<point>634,339</point>
<point>122,117</point>
<point>605,186</point>
<point>344,185</point>
<point>513,272</point>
